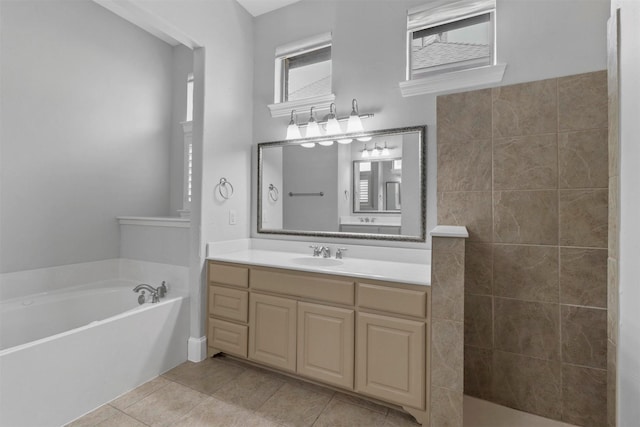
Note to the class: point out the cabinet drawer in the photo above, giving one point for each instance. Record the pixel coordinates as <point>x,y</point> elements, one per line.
<point>305,286</point>
<point>229,275</point>
<point>393,300</point>
<point>228,303</point>
<point>228,337</point>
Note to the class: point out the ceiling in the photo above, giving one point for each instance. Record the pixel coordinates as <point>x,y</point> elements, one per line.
<point>258,7</point>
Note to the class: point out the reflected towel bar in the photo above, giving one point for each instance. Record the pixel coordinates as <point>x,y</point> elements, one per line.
<point>320,193</point>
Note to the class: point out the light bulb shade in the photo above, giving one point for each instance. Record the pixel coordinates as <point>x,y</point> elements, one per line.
<point>365,154</point>
<point>385,151</point>
<point>308,144</point>
<point>293,132</point>
<point>354,124</point>
<point>313,130</point>
<point>375,153</point>
<point>333,127</point>
<point>345,141</point>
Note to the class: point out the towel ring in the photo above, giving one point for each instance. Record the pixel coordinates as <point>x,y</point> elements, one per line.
<point>226,185</point>
<point>273,193</point>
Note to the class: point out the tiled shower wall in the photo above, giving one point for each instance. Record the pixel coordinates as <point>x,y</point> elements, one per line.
<point>525,168</point>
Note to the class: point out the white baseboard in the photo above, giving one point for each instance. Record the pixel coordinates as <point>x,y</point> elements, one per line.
<point>197,350</point>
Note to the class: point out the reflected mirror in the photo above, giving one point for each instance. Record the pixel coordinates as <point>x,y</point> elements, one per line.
<point>373,187</point>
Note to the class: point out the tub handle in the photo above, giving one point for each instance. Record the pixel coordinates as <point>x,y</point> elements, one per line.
<point>141,298</point>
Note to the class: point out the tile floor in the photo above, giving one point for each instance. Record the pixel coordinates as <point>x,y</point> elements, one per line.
<point>224,392</point>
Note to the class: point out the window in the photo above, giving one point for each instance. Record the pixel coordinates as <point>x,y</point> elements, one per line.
<point>302,75</point>
<point>189,97</point>
<point>451,37</point>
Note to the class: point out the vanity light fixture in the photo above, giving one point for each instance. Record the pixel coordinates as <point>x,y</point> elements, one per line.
<point>331,124</point>
<point>365,152</point>
<point>313,130</point>
<point>375,151</point>
<point>385,150</point>
<point>293,131</point>
<point>355,124</point>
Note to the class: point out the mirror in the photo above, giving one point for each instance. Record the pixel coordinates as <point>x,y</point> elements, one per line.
<point>372,188</point>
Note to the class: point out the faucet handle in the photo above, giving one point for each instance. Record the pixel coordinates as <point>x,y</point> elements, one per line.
<point>316,250</point>
<point>339,252</point>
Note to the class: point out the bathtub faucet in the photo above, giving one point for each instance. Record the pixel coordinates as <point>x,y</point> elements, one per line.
<point>162,289</point>
<point>154,292</point>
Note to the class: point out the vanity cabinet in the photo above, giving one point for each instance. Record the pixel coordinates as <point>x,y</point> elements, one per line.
<point>368,337</point>
<point>272,331</point>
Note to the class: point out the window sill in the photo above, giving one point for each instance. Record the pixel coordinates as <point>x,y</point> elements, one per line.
<point>155,221</point>
<point>455,80</point>
<point>283,109</point>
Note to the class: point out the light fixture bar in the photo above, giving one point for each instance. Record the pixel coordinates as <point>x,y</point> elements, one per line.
<point>340,119</point>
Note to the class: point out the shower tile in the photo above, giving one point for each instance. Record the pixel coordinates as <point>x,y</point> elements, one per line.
<point>525,109</point>
<point>464,165</point>
<point>447,279</point>
<point>139,393</point>
<point>526,272</point>
<point>528,384</point>
<point>470,209</point>
<point>250,389</point>
<point>446,408</point>
<point>478,321</point>
<point>464,116</point>
<point>525,163</point>
<point>213,412</point>
<point>584,336</point>
<point>583,218</point>
<point>582,101</point>
<point>167,405</point>
<point>294,405</point>
<point>478,372</point>
<point>478,268</point>
<point>447,356</point>
<point>527,328</point>
<point>583,277</point>
<point>582,159</point>
<point>342,414</point>
<point>584,396</point>
<point>526,217</point>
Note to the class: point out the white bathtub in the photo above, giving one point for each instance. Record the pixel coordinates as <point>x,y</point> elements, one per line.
<point>64,353</point>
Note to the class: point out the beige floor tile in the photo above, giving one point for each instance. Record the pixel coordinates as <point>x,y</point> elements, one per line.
<point>165,406</point>
<point>206,377</point>
<point>121,420</point>
<point>250,389</point>
<point>399,419</point>
<point>342,414</point>
<point>361,402</point>
<point>95,417</point>
<point>139,393</point>
<point>213,412</point>
<point>295,405</point>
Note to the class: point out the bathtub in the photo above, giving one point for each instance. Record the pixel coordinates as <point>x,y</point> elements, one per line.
<point>65,353</point>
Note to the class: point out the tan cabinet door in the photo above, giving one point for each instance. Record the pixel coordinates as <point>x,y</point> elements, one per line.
<point>272,331</point>
<point>391,359</point>
<point>326,343</point>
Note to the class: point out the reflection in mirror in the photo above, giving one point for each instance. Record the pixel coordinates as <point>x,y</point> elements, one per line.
<point>373,190</point>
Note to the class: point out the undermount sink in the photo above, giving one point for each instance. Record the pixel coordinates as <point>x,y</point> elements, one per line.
<point>317,262</point>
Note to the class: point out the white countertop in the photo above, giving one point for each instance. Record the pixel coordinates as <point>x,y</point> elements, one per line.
<point>394,271</point>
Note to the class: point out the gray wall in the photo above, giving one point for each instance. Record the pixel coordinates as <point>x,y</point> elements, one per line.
<point>537,39</point>
<point>86,108</point>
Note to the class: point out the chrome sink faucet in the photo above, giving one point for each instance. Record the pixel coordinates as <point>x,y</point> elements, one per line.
<point>325,251</point>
